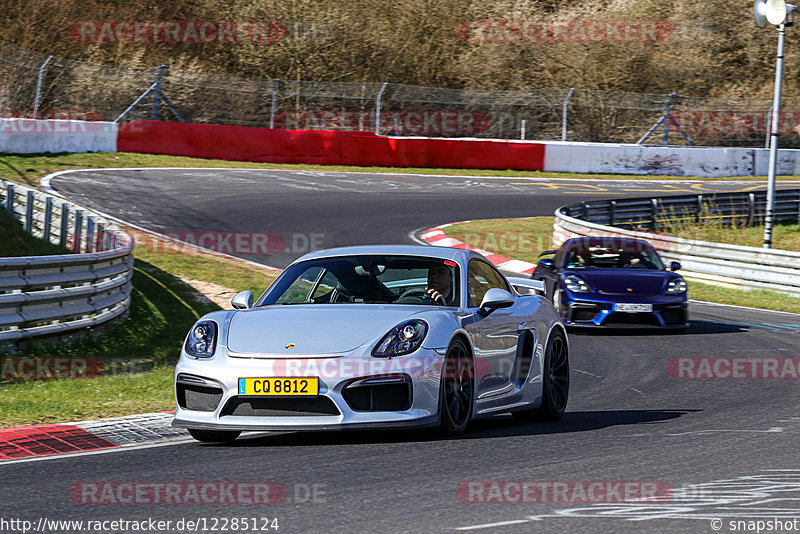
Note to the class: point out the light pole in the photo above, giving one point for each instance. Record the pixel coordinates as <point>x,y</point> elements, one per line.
<point>775,12</point>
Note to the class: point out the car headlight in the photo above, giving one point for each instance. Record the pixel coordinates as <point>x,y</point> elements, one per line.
<point>404,338</point>
<point>576,285</point>
<point>677,286</point>
<point>202,340</point>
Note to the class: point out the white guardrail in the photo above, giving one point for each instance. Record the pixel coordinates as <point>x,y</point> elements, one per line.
<point>716,263</point>
<point>46,295</point>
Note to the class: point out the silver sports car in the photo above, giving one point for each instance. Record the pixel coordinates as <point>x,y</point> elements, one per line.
<point>375,337</point>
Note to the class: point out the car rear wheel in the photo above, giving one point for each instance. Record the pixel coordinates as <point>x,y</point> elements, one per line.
<point>214,436</point>
<point>457,389</point>
<point>555,382</point>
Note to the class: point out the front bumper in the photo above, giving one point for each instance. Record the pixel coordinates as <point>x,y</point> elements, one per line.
<point>355,391</point>
<point>671,312</point>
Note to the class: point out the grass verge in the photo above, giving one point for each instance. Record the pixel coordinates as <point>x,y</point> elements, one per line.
<point>525,239</point>
<point>28,168</point>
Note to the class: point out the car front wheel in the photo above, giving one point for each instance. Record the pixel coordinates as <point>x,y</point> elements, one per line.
<point>457,389</point>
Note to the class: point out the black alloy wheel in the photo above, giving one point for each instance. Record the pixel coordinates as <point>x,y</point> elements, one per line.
<point>457,389</point>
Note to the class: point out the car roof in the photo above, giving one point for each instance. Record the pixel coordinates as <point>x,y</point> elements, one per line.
<point>445,253</point>
<point>606,241</point>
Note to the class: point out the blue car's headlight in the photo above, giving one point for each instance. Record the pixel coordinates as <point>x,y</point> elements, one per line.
<point>404,338</point>
<point>576,284</point>
<point>202,340</point>
<point>676,286</point>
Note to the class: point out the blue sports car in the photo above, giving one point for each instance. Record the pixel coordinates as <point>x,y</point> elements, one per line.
<point>614,282</point>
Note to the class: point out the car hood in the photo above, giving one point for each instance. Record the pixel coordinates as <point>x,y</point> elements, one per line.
<point>623,281</point>
<point>313,329</point>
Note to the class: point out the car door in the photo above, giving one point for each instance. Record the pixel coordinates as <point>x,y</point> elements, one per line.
<point>494,337</point>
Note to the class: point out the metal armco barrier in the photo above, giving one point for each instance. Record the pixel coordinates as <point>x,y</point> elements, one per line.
<point>46,295</point>
<point>718,263</point>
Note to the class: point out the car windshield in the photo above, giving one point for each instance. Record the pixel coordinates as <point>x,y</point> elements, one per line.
<point>368,279</point>
<point>628,256</point>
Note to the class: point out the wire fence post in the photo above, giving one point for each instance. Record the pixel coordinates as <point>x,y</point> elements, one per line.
<point>667,111</point>
<point>154,115</point>
<point>39,82</point>
<point>378,108</point>
<point>275,86</point>
<point>564,114</point>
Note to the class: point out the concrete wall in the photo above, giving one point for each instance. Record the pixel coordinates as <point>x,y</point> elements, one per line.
<point>29,136</point>
<point>611,158</point>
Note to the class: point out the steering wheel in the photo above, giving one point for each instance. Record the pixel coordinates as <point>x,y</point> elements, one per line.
<point>415,295</point>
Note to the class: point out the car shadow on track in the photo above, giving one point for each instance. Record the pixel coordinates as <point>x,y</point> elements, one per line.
<point>695,328</point>
<point>497,427</point>
<point>571,422</point>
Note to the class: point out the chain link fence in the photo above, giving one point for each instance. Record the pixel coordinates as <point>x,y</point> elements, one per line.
<point>33,84</point>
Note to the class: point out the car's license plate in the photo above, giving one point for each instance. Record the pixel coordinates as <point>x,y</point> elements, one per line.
<point>280,387</point>
<point>633,308</point>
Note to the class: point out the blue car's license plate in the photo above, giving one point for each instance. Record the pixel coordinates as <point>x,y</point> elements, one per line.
<point>630,307</point>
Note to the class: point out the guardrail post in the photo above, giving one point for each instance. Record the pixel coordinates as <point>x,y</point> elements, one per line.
<point>699,208</point>
<point>798,208</point>
<point>48,219</point>
<point>584,210</point>
<point>64,229</point>
<point>653,213</point>
<point>100,241</point>
<point>751,208</point>
<point>611,208</point>
<point>90,234</point>
<point>76,243</point>
<point>10,200</point>
<point>29,212</point>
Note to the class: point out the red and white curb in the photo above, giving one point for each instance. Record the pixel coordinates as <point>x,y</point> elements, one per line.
<point>437,238</point>
<point>85,436</point>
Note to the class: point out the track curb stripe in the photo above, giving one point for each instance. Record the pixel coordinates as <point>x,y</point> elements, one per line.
<point>85,436</point>
<point>437,238</point>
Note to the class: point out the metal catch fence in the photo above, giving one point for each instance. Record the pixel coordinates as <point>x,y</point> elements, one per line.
<point>38,85</point>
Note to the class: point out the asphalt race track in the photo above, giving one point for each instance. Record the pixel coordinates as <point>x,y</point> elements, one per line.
<point>727,447</point>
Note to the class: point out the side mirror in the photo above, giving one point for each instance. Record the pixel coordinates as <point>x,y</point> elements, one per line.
<point>494,299</point>
<point>548,263</point>
<point>674,266</point>
<point>243,300</point>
